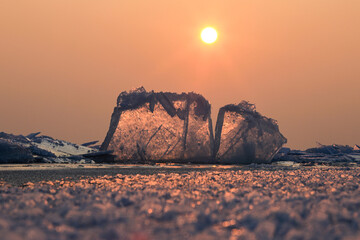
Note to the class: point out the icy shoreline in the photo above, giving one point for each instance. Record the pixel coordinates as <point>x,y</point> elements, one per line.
<point>260,202</point>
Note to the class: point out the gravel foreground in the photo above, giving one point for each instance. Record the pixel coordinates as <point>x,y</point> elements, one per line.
<point>261,202</point>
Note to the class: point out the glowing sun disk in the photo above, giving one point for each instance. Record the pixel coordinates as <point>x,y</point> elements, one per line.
<point>209,35</point>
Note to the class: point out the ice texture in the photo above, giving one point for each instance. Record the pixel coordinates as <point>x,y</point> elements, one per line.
<point>60,148</point>
<point>244,136</point>
<point>34,148</point>
<point>11,152</point>
<point>255,202</point>
<point>148,126</point>
<point>169,127</point>
<point>333,155</point>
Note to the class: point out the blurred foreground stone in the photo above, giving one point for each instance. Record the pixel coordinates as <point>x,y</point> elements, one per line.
<point>169,127</point>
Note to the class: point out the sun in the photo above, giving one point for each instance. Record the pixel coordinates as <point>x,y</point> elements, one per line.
<point>209,35</point>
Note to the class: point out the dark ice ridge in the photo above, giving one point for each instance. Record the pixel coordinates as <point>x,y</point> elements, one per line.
<point>170,127</point>
<point>44,149</point>
<point>335,155</point>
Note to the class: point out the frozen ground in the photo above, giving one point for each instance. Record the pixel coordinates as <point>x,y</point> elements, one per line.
<point>175,202</point>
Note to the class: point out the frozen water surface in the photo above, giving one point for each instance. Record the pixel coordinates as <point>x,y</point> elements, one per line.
<point>220,202</point>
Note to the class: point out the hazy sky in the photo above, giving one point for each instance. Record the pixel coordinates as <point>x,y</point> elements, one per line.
<point>64,62</point>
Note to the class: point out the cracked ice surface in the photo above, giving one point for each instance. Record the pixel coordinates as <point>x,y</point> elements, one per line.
<point>242,135</point>
<point>142,132</point>
<point>161,127</point>
<point>169,127</point>
<point>261,202</point>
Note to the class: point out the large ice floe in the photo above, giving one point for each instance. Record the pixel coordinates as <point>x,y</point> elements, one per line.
<point>170,127</point>
<point>244,136</point>
<point>161,127</point>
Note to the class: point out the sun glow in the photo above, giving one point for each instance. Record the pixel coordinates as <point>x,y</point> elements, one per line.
<point>209,35</point>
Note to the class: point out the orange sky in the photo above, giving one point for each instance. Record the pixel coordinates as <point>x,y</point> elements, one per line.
<point>63,62</point>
